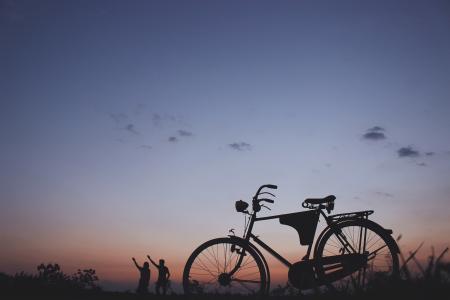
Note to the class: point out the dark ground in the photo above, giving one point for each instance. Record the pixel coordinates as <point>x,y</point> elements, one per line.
<point>432,282</point>
<point>402,290</point>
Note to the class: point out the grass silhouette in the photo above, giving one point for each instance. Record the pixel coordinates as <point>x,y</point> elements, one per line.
<point>431,279</point>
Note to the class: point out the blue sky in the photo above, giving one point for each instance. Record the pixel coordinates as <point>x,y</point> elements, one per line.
<point>132,127</point>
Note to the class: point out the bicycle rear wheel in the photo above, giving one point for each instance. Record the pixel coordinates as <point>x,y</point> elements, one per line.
<point>354,254</point>
<point>224,266</point>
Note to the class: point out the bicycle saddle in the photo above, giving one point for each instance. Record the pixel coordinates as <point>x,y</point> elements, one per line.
<point>327,199</point>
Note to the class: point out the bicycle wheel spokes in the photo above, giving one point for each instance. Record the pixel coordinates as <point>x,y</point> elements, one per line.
<point>358,254</point>
<point>223,267</point>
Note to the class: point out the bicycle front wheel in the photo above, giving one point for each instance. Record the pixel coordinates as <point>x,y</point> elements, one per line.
<point>224,266</point>
<point>356,253</point>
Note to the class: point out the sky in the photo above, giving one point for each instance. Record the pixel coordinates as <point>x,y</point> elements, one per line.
<point>130,127</point>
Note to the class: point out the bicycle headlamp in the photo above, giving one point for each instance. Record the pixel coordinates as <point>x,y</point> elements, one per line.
<point>241,206</point>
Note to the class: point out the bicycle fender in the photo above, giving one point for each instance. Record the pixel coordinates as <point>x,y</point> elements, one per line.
<point>241,240</point>
<point>381,228</point>
<point>388,232</point>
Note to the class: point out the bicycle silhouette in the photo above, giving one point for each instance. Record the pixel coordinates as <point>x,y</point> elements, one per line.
<point>351,250</point>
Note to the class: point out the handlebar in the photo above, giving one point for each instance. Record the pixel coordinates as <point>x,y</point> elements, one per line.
<point>256,202</point>
<point>266,193</point>
<point>270,186</point>
<point>267,200</point>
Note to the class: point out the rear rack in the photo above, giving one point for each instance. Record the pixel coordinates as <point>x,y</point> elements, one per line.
<point>353,215</point>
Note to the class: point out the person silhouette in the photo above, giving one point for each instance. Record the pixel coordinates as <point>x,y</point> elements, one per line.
<point>145,277</point>
<point>163,276</point>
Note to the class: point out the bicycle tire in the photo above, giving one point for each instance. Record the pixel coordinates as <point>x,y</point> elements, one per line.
<point>326,249</point>
<point>207,259</point>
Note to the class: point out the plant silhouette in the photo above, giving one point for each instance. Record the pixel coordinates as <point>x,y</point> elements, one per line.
<point>49,281</point>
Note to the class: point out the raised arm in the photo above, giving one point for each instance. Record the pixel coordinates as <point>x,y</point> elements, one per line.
<point>135,263</point>
<point>151,260</point>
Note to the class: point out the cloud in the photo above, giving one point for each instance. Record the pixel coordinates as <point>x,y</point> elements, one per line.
<point>374,136</point>
<point>407,152</point>
<point>375,133</point>
<point>384,194</point>
<point>146,147</point>
<point>429,153</point>
<point>159,120</point>
<point>241,146</point>
<point>182,132</point>
<point>376,128</point>
<point>119,118</point>
<point>131,129</point>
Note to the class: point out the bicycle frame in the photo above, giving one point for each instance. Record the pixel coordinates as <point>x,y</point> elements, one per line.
<point>331,222</point>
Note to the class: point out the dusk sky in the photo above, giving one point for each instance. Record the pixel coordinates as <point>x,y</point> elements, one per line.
<point>130,127</point>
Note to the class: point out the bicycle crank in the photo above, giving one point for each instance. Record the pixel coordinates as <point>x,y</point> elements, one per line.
<point>301,275</point>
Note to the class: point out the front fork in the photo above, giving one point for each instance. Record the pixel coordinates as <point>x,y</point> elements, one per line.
<point>241,253</point>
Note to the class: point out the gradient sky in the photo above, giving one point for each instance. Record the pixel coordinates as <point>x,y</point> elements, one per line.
<point>131,127</point>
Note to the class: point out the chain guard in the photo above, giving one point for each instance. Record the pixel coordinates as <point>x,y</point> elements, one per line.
<point>303,276</point>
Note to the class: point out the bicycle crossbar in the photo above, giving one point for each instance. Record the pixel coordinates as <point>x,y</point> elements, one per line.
<point>268,218</point>
<point>271,251</point>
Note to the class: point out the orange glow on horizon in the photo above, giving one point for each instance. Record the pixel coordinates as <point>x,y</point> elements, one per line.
<point>117,267</point>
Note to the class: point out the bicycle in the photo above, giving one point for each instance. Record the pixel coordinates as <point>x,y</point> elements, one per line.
<point>351,250</point>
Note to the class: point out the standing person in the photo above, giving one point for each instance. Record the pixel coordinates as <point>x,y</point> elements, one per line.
<point>144,279</point>
<point>163,276</point>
